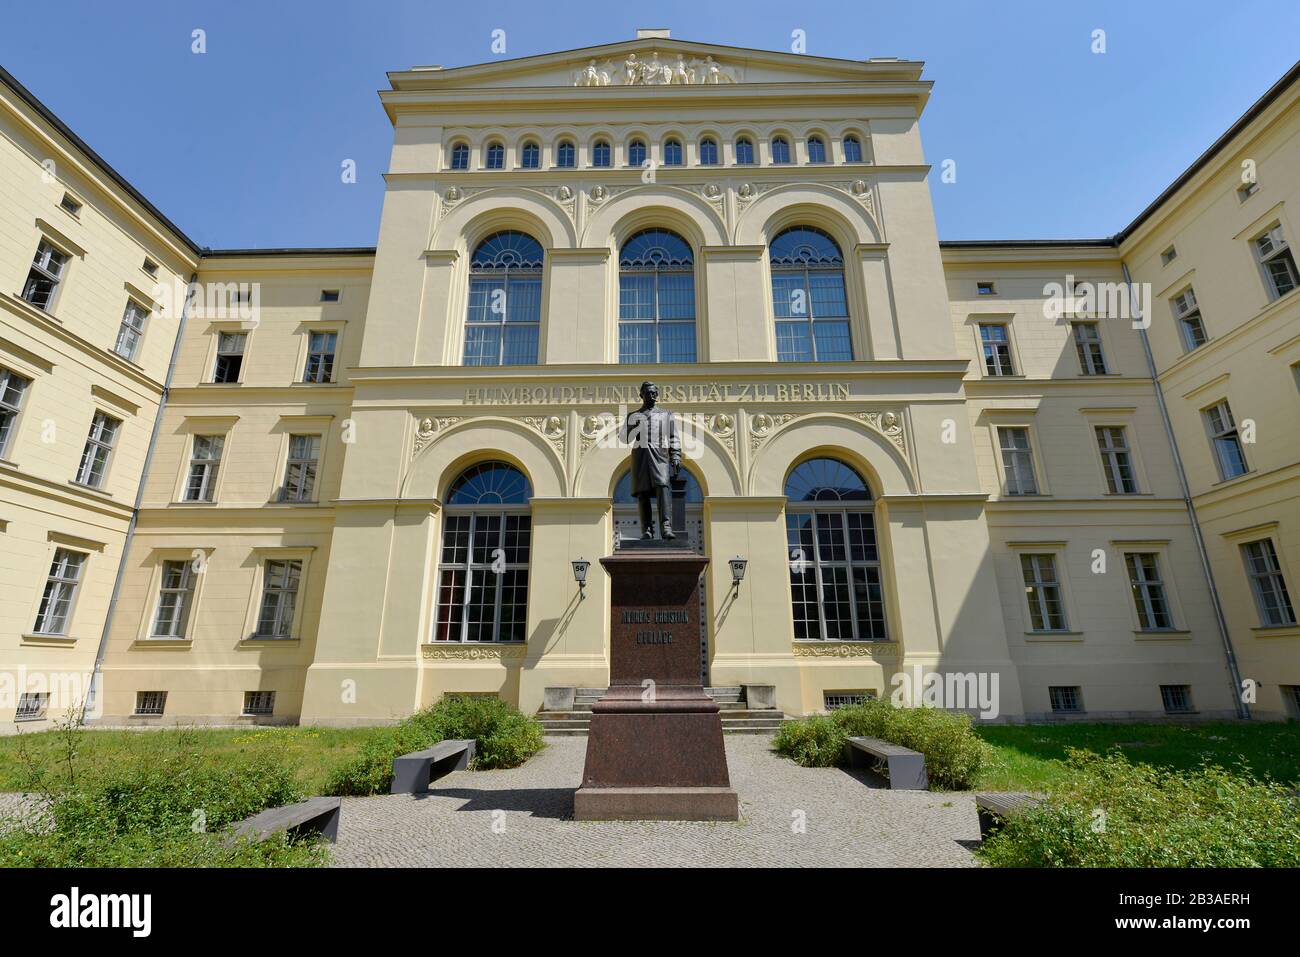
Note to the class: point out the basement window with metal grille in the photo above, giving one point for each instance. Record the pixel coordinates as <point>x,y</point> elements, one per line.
<point>32,705</point>
<point>1065,698</point>
<point>833,700</point>
<point>1177,698</point>
<point>150,702</point>
<point>259,702</point>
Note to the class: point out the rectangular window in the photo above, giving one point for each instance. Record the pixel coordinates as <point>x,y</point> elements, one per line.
<point>320,357</point>
<point>150,702</point>
<point>1116,460</point>
<point>1291,701</point>
<point>70,204</point>
<point>1168,256</point>
<point>1043,592</point>
<point>836,588</point>
<point>99,446</point>
<point>833,700</point>
<point>12,388</point>
<point>131,331</point>
<point>32,705</point>
<point>1087,343</point>
<point>1266,581</point>
<point>1188,314</point>
<point>205,464</point>
<point>1226,440</point>
<point>230,356</point>
<point>45,275</point>
<point>300,473</point>
<point>996,344</point>
<point>1065,698</point>
<point>60,590</point>
<point>175,597</point>
<point>150,267</point>
<point>483,577</point>
<point>1017,461</point>
<point>329,295</point>
<point>1177,698</point>
<point>1275,256</point>
<point>280,583</point>
<point>259,703</point>
<point>985,289</point>
<point>1148,592</point>
<point>1246,190</point>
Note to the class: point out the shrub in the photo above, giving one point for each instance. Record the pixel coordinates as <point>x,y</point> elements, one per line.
<point>504,738</point>
<point>953,752</point>
<point>1108,812</point>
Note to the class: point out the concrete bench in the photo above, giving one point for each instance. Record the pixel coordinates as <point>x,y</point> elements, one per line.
<point>317,815</point>
<point>413,772</point>
<point>996,807</point>
<point>904,767</point>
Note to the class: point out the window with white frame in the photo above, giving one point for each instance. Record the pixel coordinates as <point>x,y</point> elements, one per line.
<point>503,321</point>
<point>1190,324</point>
<point>1116,459</point>
<point>1275,255</point>
<point>320,357</point>
<point>1065,698</point>
<point>32,705</point>
<point>995,341</point>
<point>1087,343</point>
<point>1266,581</point>
<point>1149,597</point>
<point>300,471</point>
<point>99,448</point>
<point>259,703</point>
<point>1043,592</point>
<point>175,599</point>
<point>1177,699</point>
<point>281,579</point>
<point>205,464</point>
<point>230,356</point>
<point>836,587</point>
<point>809,299</point>
<point>483,566</point>
<point>656,298</point>
<point>45,275</point>
<point>60,591</point>
<point>131,331</point>
<point>151,703</point>
<point>1226,440</point>
<point>12,389</point>
<point>1017,461</point>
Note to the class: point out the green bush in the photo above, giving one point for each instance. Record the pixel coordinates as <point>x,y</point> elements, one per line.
<point>504,738</point>
<point>953,752</point>
<point>1108,812</point>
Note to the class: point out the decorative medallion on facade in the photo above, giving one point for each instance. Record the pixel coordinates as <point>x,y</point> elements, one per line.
<point>427,428</point>
<point>595,427</point>
<point>888,424</point>
<point>655,71</point>
<point>465,652</point>
<point>552,427</point>
<point>762,425</point>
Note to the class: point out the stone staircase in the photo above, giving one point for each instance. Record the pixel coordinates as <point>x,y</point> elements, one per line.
<point>737,718</point>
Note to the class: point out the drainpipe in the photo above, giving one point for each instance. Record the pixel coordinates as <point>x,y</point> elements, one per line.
<point>96,677</point>
<point>1243,710</point>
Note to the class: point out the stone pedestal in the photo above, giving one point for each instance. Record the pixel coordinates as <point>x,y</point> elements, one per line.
<point>655,751</point>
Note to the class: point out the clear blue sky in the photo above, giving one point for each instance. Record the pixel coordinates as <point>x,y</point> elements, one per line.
<point>242,146</point>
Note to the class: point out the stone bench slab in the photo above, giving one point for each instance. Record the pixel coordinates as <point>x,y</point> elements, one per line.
<point>412,773</point>
<point>904,767</point>
<point>318,815</point>
<point>995,807</point>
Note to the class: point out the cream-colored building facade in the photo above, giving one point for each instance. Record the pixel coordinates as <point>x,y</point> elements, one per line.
<point>368,483</point>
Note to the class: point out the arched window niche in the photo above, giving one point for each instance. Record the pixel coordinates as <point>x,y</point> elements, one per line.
<point>505,300</point>
<point>809,300</point>
<point>656,298</point>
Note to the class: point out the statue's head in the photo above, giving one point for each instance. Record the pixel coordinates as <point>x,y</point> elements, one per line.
<point>649,392</point>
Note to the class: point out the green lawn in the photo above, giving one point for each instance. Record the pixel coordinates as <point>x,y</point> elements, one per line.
<point>1027,757</point>
<point>312,752</point>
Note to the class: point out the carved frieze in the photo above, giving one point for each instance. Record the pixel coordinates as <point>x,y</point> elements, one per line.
<point>457,651</point>
<point>654,70</point>
<point>845,649</point>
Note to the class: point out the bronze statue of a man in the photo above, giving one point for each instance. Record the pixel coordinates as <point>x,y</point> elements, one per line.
<point>656,458</point>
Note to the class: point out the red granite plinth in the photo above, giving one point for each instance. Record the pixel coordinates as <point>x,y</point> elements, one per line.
<point>655,749</point>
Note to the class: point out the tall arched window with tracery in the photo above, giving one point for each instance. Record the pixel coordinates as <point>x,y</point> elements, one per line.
<point>505,301</point>
<point>835,576</point>
<point>808,297</point>
<point>656,298</point>
<point>483,565</point>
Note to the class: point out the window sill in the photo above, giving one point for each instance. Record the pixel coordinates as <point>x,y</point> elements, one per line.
<point>228,385</point>
<point>29,307</point>
<point>1277,631</point>
<point>1223,483</point>
<point>94,490</point>
<point>163,643</point>
<point>1048,636</point>
<point>260,640</point>
<point>48,641</point>
<point>1164,634</point>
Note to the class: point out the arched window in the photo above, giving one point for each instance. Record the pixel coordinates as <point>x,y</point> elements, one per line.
<point>852,149</point>
<point>780,150</point>
<point>672,152</point>
<point>531,156</point>
<point>835,577</point>
<point>483,566</point>
<point>566,154</point>
<point>636,153</point>
<point>708,151</point>
<point>656,298</point>
<point>496,156</point>
<point>460,156</point>
<point>600,153</point>
<point>744,151</point>
<point>623,489</point>
<point>816,149</point>
<point>808,297</point>
<point>505,301</point>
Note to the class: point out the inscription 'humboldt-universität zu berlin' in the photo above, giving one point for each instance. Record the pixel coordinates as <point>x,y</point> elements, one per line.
<point>689,392</point>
